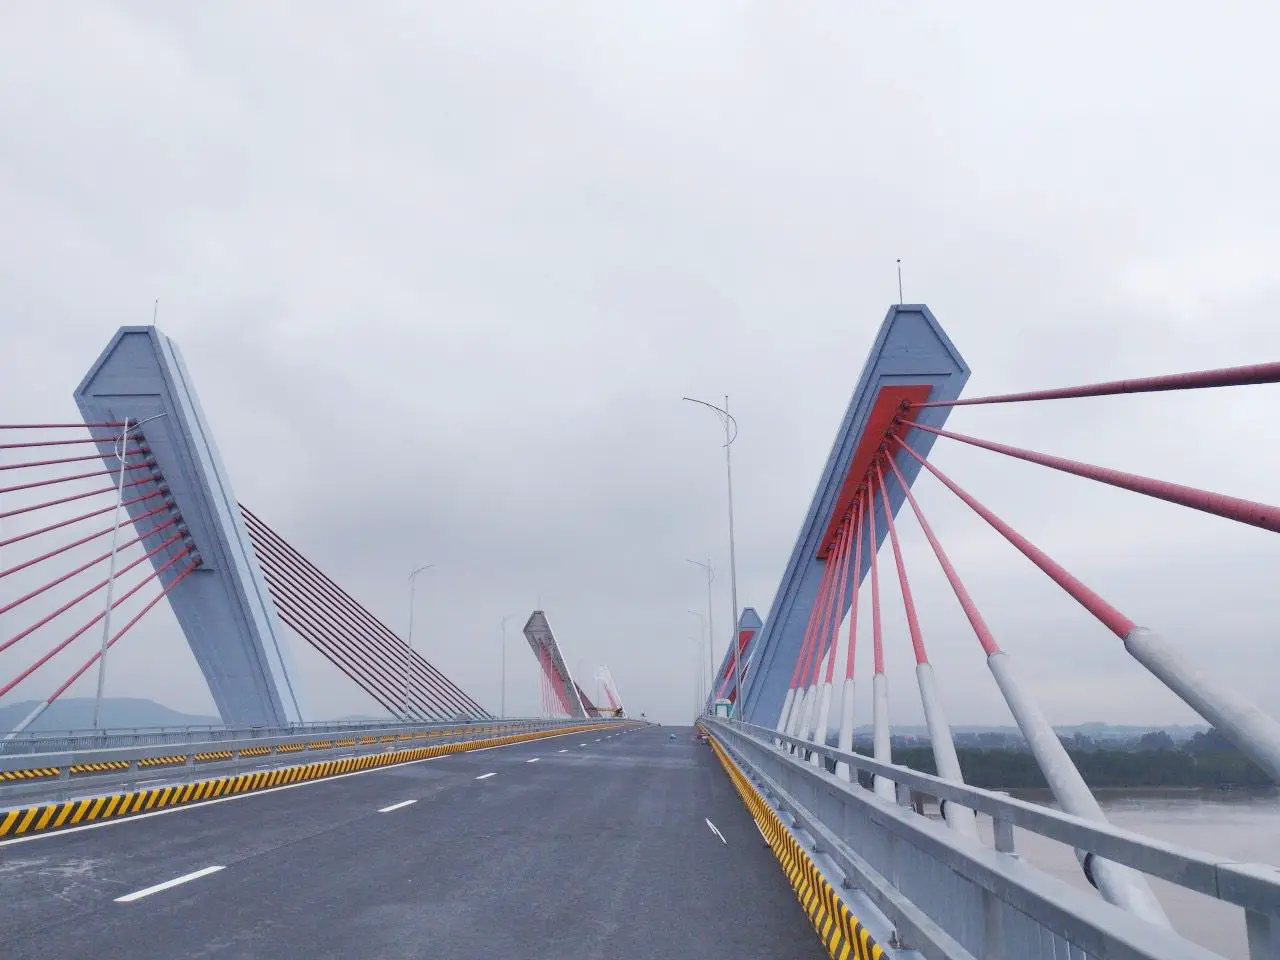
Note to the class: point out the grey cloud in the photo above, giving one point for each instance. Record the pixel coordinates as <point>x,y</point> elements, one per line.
<point>442,276</point>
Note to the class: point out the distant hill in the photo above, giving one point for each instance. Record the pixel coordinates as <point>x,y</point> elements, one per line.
<point>76,713</point>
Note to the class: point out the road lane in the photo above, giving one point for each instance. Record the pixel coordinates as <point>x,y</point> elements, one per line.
<point>596,853</point>
<point>49,877</point>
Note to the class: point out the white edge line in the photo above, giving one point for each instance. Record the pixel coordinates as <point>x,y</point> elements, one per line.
<point>762,836</point>
<point>486,776</point>
<point>397,806</point>
<point>46,834</point>
<point>139,894</point>
<point>716,832</point>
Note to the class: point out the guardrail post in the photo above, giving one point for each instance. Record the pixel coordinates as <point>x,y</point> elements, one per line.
<point>903,793</point>
<point>1263,931</point>
<point>1002,831</point>
<point>993,935</point>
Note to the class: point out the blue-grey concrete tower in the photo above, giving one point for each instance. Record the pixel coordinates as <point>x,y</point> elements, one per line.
<point>223,606</point>
<point>749,624</point>
<point>911,357</point>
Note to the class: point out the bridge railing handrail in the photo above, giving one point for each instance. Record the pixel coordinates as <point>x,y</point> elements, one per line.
<point>66,759</point>
<point>948,896</point>
<point>29,742</point>
<point>1253,886</point>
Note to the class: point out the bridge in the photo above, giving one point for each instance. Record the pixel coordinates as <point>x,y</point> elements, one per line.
<point>766,828</point>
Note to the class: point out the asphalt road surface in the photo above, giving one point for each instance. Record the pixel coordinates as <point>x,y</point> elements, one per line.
<point>625,847</point>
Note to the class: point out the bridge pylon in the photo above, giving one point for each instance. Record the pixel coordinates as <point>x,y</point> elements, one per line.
<point>224,606</point>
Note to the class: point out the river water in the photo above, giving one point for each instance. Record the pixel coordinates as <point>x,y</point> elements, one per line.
<point>1236,825</point>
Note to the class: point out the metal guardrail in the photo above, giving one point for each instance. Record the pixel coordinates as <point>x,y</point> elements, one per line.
<point>67,774</point>
<point>28,742</point>
<point>952,897</point>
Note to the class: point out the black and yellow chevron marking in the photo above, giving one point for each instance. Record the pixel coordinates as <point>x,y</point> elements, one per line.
<point>213,755</point>
<point>840,931</point>
<point>163,761</point>
<point>102,767</point>
<point>35,773</point>
<point>69,813</point>
<point>255,751</point>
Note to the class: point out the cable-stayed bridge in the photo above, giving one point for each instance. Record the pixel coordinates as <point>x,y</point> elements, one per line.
<point>447,831</point>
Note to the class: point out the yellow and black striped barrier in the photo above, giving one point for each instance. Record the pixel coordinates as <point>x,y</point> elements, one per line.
<point>102,767</point>
<point>70,813</point>
<point>843,935</point>
<point>35,773</point>
<point>214,755</point>
<point>169,761</point>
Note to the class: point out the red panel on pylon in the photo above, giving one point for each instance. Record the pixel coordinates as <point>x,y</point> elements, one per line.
<point>888,404</point>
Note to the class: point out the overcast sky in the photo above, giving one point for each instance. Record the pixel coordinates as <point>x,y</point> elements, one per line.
<point>442,273</point>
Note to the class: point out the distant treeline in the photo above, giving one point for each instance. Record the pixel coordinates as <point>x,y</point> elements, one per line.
<point>1154,760</point>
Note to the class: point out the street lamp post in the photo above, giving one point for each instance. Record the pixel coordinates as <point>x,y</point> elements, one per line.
<point>711,624</point>
<point>503,708</point>
<point>408,660</point>
<point>697,675</point>
<point>702,640</point>
<point>730,434</point>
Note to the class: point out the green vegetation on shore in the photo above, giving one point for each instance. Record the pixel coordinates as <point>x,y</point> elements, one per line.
<point>1153,760</point>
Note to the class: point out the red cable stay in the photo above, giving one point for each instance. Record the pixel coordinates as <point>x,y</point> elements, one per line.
<point>85,594</point>
<point>853,603</point>
<point>801,669</point>
<point>84,516</point>
<point>908,602</point>
<point>76,496</point>
<point>988,642</point>
<point>60,426</point>
<point>1232,508</point>
<point>877,635</point>
<point>77,543</point>
<point>65,643</point>
<point>346,633</point>
<point>837,597</point>
<point>114,472</point>
<point>100,441</point>
<point>111,642</point>
<point>822,637</point>
<point>1257,373</point>
<point>1113,619</point>
<point>51,463</point>
<point>85,566</point>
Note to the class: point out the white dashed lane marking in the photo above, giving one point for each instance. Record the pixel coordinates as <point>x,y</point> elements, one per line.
<point>185,878</point>
<point>397,806</point>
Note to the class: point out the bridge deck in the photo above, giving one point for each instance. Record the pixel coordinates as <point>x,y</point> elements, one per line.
<point>598,849</point>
